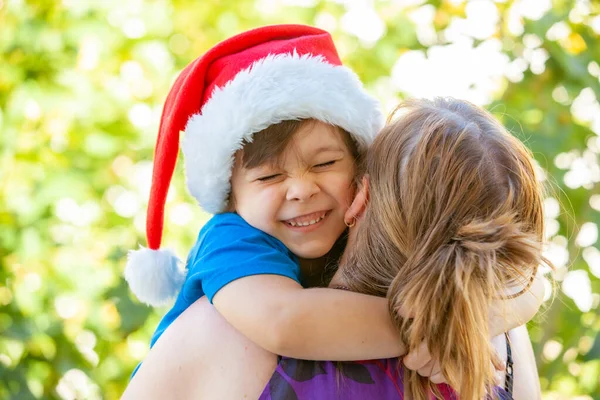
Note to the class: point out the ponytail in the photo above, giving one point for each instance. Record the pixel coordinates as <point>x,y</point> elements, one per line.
<point>449,294</point>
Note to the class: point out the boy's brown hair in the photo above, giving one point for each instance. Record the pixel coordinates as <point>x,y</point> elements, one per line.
<point>269,144</point>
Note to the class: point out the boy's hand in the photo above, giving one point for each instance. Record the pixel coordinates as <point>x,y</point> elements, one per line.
<point>420,360</point>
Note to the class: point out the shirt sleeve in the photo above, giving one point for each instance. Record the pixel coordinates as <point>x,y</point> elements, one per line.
<point>232,251</point>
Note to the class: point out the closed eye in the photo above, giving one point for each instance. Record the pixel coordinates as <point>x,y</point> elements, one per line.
<point>268,177</point>
<point>326,164</point>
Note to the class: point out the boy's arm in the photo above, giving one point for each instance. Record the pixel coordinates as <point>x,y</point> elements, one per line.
<point>511,313</point>
<point>316,324</point>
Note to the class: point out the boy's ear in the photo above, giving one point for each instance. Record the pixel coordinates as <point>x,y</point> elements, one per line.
<point>359,204</point>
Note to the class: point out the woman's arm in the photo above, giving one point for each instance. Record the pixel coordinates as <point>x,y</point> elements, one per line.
<point>526,383</point>
<point>314,324</point>
<point>201,356</point>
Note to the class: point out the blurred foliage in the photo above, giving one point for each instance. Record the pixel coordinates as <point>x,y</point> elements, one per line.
<point>81,89</point>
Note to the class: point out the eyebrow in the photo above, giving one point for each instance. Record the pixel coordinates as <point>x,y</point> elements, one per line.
<point>331,147</point>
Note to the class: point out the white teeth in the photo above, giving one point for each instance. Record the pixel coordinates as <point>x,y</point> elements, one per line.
<point>314,221</point>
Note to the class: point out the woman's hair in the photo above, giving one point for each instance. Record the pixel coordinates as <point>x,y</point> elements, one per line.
<point>454,216</point>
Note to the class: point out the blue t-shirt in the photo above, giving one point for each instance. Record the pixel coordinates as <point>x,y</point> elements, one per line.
<point>228,248</point>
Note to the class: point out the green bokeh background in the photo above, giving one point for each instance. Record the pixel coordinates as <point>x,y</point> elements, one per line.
<point>81,89</point>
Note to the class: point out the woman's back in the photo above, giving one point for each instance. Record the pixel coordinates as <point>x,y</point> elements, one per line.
<point>328,380</point>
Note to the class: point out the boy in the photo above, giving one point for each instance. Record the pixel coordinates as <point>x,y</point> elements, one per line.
<point>263,81</point>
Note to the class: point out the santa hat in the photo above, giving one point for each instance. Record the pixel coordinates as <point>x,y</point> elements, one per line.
<point>240,87</point>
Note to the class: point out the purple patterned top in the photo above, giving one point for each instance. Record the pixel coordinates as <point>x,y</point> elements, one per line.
<point>326,380</point>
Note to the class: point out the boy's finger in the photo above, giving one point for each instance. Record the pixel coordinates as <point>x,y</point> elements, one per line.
<point>417,359</point>
<point>436,368</point>
<point>430,369</point>
<point>499,378</point>
<point>427,369</point>
<point>499,364</point>
<point>438,378</point>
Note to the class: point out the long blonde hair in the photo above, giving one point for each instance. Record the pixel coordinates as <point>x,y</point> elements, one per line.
<point>454,216</point>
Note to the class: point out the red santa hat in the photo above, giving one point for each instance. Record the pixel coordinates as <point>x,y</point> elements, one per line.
<point>239,87</point>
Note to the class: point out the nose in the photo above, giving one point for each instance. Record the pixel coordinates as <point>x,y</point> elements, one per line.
<point>301,189</point>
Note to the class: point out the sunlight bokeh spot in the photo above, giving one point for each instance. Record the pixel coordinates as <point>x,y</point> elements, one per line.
<point>595,202</point>
<point>134,28</point>
<point>551,207</point>
<point>552,350</point>
<point>559,31</point>
<point>577,286</point>
<point>588,234</point>
<point>363,22</point>
<point>591,255</point>
<point>75,384</point>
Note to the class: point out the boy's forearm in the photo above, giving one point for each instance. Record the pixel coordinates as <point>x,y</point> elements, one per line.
<point>511,313</point>
<point>329,324</point>
<point>280,316</point>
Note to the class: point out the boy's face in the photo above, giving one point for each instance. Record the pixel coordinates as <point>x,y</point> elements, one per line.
<point>302,200</point>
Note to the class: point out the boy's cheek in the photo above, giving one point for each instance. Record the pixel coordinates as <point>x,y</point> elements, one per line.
<point>264,202</point>
<point>269,196</point>
<point>344,187</point>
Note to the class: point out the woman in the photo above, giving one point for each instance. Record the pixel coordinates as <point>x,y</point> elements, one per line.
<point>453,215</point>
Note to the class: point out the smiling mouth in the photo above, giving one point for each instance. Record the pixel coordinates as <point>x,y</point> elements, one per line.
<point>307,220</point>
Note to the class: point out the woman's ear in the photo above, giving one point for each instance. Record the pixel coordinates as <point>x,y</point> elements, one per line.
<point>359,204</point>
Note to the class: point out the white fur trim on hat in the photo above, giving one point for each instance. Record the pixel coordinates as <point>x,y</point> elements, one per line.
<point>154,276</point>
<point>276,88</point>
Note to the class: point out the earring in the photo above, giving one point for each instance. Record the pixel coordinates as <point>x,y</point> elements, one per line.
<point>351,224</point>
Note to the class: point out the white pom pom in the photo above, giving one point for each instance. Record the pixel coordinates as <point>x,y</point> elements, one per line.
<point>154,276</point>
